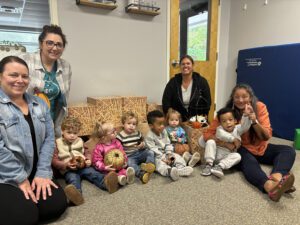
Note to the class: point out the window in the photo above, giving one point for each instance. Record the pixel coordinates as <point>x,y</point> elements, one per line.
<point>194,18</point>
<point>21,22</point>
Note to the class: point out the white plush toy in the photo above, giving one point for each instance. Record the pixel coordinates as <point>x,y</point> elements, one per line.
<point>201,119</point>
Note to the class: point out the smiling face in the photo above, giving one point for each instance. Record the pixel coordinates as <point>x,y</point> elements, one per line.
<point>227,121</point>
<point>186,66</point>
<point>51,47</point>
<point>158,125</point>
<point>241,97</point>
<point>14,80</point>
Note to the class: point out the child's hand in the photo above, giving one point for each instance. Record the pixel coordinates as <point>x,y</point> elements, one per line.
<point>141,145</point>
<point>88,163</point>
<point>179,140</point>
<point>109,168</point>
<point>71,165</point>
<point>125,165</point>
<point>174,134</point>
<point>166,161</point>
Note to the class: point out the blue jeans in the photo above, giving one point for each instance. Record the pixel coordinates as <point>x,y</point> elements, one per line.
<point>89,173</point>
<point>282,158</point>
<point>141,156</point>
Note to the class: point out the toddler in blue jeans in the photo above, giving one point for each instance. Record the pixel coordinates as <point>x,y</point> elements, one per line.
<point>139,157</point>
<point>72,162</point>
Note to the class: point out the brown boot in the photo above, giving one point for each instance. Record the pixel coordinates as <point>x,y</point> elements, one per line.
<point>73,194</point>
<point>111,182</point>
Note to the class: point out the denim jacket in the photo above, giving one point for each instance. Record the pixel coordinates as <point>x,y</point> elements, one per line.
<point>16,149</point>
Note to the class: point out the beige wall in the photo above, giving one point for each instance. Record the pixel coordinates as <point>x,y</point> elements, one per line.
<point>259,25</point>
<point>115,53</point>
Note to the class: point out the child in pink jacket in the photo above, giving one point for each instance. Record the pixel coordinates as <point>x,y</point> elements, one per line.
<point>106,132</point>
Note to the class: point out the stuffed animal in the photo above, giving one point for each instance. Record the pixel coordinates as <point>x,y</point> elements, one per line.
<point>199,121</point>
<point>80,162</point>
<point>181,148</point>
<point>115,158</point>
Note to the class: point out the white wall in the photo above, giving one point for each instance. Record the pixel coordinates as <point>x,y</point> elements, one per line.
<point>113,52</point>
<point>259,25</point>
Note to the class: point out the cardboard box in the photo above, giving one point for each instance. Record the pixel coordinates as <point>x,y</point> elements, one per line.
<point>83,112</point>
<point>138,105</point>
<point>107,108</point>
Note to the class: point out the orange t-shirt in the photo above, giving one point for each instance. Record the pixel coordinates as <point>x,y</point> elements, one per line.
<point>259,146</point>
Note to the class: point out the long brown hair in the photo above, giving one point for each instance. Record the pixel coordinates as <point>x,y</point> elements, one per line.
<point>237,112</point>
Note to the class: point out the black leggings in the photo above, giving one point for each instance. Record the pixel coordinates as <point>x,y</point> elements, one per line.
<point>15,209</point>
<point>282,158</point>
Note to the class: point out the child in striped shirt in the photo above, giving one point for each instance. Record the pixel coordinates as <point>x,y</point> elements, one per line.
<point>139,157</point>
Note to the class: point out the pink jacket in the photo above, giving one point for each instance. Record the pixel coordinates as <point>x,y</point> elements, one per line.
<point>101,150</point>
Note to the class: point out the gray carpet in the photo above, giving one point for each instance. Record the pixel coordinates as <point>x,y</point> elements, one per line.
<point>194,200</point>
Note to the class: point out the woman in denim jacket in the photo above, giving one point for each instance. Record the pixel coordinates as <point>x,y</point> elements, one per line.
<point>27,192</point>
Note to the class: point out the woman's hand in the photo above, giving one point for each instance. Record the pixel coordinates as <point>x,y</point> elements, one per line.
<point>27,190</point>
<point>250,112</point>
<point>42,185</point>
<point>230,146</point>
<point>237,143</point>
<point>109,168</point>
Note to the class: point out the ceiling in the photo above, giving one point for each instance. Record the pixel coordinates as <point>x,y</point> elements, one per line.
<point>31,14</point>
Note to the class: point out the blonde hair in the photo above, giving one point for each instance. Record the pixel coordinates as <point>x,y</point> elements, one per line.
<point>172,112</point>
<point>71,124</point>
<point>101,129</point>
<point>129,115</point>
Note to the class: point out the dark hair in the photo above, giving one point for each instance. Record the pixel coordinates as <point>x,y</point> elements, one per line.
<point>52,29</point>
<point>237,113</point>
<point>186,57</point>
<point>10,59</point>
<point>153,115</point>
<point>224,111</point>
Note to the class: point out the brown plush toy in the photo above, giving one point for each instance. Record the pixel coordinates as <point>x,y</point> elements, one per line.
<point>181,148</point>
<point>115,158</point>
<point>79,161</point>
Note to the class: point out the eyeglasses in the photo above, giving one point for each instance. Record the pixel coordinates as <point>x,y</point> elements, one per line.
<point>51,44</point>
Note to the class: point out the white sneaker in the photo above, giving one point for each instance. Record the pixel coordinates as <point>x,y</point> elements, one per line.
<point>174,174</point>
<point>194,160</point>
<point>185,171</point>
<point>122,180</point>
<point>130,175</point>
<point>206,170</point>
<point>217,171</point>
<point>186,156</point>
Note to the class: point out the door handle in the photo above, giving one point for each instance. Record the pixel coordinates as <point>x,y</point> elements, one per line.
<point>175,62</point>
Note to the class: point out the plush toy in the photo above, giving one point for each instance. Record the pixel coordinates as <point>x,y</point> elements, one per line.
<point>199,121</point>
<point>115,158</point>
<point>181,148</point>
<point>80,162</point>
<point>41,95</point>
